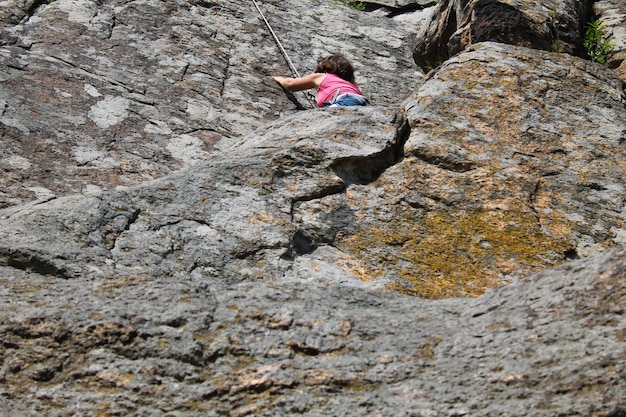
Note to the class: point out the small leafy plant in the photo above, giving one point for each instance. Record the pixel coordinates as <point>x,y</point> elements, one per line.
<point>596,42</point>
<point>356,5</point>
<point>557,44</point>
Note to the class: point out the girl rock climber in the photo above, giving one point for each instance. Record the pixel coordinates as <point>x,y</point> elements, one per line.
<point>334,80</point>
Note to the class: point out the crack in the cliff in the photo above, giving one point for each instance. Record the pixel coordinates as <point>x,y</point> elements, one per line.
<point>205,4</point>
<point>111,28</point>
<point>185,69</point>
<point>532,201</point>
<point>353,170</point>
<point>4,106</point>
<point>97,76</point>
<point>571,253</point>
<point>365,170</point>
<point>20,209</point>
<point>31,261</point>
<point>371,6</point>
<point>30,12</point>
<point>293,99</point>
<point>226,73</point>
<point>300,243</point>
<point>112,236</point>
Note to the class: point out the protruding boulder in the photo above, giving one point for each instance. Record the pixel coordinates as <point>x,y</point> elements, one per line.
<point>551,25</point>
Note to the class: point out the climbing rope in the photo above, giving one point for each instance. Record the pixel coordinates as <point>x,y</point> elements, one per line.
<point>292,67</point>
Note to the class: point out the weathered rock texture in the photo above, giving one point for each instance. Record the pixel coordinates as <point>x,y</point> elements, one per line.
<point>551,25</point>
<point>100,94</point>
<point>507,169</point>
<point>612,13</point>
<point>230,218</point>
<point>551,344</point>
<point>177,239</point>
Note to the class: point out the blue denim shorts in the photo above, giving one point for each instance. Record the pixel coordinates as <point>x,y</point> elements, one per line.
<point>349,100</point>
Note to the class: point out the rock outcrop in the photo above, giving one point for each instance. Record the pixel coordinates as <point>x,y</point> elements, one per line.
<point>551,25</point>
<point>501,173</point>
<point>178,237</point>
<point>101,94</point>
<point>553,343</point>
<point>612,14</point>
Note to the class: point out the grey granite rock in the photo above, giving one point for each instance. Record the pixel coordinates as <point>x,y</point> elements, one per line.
<point>612,14</point>
<point>230,218</point>
<point>99,94</point>
<point>177,239</point>
<point>550,344</point>
<point>513,163</point>
<point>551,25</point>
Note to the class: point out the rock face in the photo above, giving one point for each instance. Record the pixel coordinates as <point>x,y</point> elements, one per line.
<point>612,13</point>
<point>552,343</point>
<point>501,175</point>
<point>551,25</point>
<point>100,94</point>
<point>177,238</point>
<point>230,218</point>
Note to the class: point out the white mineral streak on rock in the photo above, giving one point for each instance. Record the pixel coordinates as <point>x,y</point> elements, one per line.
<point>42,193</point>
<point>109,111</point>
<point>187,148</point>
<point>78,11</point>
<point>19,162</point>
<point>92,91</point>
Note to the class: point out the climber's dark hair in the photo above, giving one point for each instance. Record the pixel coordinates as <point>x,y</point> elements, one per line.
<point>338,65</point>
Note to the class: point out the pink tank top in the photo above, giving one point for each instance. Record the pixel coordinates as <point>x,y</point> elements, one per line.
<point>329,86</point>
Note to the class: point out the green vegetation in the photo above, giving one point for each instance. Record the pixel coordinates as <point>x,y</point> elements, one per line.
<point>596,42</point>
<point>557,44</point>
<point>356,5</point>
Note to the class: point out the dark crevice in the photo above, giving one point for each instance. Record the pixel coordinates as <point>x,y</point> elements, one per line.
<point>17,66</point>
<point>111,235</point>
<point>301,243</point>
<point>30,261</point>
<point>363,170</point>
<point>571,254</point>
<point>396,11</point>
<point>532,200</point>
<point>429,57</point>
<point>409,8</point>
<point>132,219</point>
<point>353,170</point>
<point>590,186</point>
<point>185,69</point>
<point>616,412</point>
<point>447,162</point>
<point>225,76</point>
<point>324,192</point>
<point>299,346</point>
<point>205,4</point>
<point>366,169</point>
<point>496,21</point>
<point>30,12</point>
<point>586,16</point>
<point>503,23</point>
<point>112,27</point>
<point>291,97</point>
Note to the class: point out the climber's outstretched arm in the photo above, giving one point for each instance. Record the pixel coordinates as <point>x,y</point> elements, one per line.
<point>303,83</point>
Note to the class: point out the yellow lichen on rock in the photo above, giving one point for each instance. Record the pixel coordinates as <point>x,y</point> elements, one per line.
<point>448,254</point>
